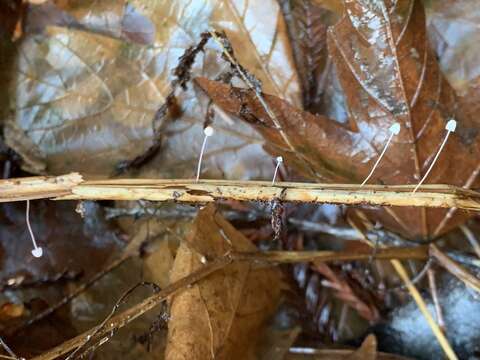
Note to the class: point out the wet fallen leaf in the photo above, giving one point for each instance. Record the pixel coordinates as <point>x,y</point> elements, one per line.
<point>307,27</point>
<point>222,316</point>
<point>455,35</point>
<point>87,94</point>
<point>453,27</point>
<point>158,264</point>
<point>388,74</point>
<point>332,5</point>
<point>91,241</point>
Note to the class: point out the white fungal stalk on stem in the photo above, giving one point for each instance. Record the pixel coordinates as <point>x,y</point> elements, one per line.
<point>394,130</point>
<point>279,162</point>
<point>208,131</point>
<point>450,127</point>
<point>37,251</point>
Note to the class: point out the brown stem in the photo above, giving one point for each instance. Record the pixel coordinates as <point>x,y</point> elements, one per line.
<point>134,312</point>
<point>78,290</point>
<point>417,253</point>
<point>436,302</point>
<point>71,187</point>
<point>454,268</point>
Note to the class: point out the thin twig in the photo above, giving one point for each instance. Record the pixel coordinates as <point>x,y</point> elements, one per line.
<point>130,251</point>
<point>436,303</point>
<point>417,252</point>
<point>416,279</point>
<point>454,268</point>
<point>119,302</point>
<point>134,312</point>
<point>78,290</point>
<point>8,350</point>
<point>96,334</point>
<point>229,56</point>
<point>472,239</point>
<point>422,306</point>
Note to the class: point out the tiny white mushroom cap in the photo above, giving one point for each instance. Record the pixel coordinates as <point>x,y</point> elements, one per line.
<point>208,131</point>
<point>451,125</point>
<point>37,252</point>
<point>279,159</point>
<point>395,129</point>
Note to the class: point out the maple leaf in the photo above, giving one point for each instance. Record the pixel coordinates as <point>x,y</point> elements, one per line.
<point>389,75</point>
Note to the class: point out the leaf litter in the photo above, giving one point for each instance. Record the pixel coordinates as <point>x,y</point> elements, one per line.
<point>88,82</point>
<point>386,59</point>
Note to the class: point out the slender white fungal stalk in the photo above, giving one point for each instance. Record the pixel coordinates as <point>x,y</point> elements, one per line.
<point>37,251</point>
<point>450,127</point>
<point>279,162</point>
<point>394,130</point>
<point>208,131</point>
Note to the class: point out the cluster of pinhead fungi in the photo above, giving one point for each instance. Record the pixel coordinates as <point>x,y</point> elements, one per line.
<point>209,131</point>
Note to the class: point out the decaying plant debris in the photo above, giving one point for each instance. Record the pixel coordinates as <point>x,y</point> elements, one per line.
<point>103,109</point>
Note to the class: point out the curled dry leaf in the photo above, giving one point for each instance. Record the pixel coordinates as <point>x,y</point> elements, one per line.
<point>87,91</point>
<point>388,74</point>
<point>222,316</point>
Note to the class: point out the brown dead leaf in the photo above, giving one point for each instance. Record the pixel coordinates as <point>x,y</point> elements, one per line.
<point>455,34</point>
<point>220,317</point>
<point>69,242</point>
<point>453,27</point>
<point>332,5</point>
<point>86,96</point>
<point>368,350</point>
<point>307,28</point>
<point>388,74</point>
<point>309,135</point>
<point>158,264</point>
